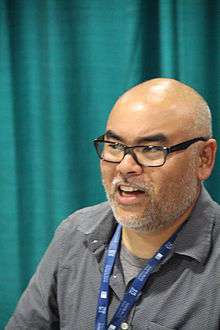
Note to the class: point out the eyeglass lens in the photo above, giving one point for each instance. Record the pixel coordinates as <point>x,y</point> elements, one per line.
<point>114,152</point>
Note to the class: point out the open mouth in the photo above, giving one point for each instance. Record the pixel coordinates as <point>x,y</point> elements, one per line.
<point>129,190</point>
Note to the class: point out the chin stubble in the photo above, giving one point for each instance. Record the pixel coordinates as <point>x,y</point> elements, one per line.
<point>156,215</point>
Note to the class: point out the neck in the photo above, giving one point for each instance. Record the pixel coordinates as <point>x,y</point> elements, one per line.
<point>146,244</point>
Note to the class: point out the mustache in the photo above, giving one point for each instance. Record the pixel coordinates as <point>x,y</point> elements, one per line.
<point>137,185</point>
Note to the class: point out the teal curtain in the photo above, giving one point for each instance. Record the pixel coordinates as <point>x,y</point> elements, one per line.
<point>63,63</point>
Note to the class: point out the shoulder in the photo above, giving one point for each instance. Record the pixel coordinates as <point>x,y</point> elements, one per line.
<point>98,210</point>
<point>80,228</point>
<point>206,207</point>
<point>209,208</point>
<point>215,214</point>
<point>210,214</point>
<point>88,218</point>
<point>85,220</point>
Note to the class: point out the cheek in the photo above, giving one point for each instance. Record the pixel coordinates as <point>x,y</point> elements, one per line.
<point>157,180</point>
<point>107,171</point>
<point>169,175</point>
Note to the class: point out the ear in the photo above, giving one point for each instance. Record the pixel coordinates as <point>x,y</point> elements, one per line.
<point>207,159</point>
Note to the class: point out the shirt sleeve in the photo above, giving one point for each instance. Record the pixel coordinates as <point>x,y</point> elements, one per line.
<point>38,307</point>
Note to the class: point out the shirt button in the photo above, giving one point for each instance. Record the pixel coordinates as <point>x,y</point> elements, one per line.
<point>124,326</point>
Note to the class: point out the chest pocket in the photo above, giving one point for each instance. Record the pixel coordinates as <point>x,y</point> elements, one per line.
<point>154,326</point>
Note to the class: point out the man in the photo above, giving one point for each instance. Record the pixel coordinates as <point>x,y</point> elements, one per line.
<point>149,257</point>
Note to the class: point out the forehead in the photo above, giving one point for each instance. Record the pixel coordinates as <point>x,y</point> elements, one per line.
<point>132,120</point>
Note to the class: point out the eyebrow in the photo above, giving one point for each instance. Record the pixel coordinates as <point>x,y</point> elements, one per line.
<point>159,137</point>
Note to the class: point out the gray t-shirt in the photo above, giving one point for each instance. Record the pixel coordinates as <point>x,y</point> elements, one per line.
<point>130,264</point>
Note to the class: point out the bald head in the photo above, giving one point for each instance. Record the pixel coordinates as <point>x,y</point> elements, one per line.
<point>168,99</point>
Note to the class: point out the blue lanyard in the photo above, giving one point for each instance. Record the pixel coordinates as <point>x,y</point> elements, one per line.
<point>103,297</point>
<point>133,293</point>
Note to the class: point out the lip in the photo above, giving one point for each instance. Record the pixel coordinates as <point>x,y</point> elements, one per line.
<point>129,198</point>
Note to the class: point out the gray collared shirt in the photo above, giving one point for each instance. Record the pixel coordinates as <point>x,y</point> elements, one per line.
<point>183,293</point>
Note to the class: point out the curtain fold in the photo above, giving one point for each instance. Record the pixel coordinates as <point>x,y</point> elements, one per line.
<point>62,66</point>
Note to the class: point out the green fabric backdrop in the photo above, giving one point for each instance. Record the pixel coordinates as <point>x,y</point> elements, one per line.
<point>62,66</point>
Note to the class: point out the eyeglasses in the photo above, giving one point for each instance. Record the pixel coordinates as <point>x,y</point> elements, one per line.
<point>150,156</point>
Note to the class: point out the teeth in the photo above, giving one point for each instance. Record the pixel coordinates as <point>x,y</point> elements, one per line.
<point>126,188</point>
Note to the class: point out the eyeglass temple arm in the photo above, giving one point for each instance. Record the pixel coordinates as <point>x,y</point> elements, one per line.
<point>185,145</point>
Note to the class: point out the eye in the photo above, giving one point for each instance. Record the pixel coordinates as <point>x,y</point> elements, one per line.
<point>153,148</point>
<point>146,149</point>
<point>150,149</point>
<point>116,146</point>
<point>112,146</point>
<point>152,152</point>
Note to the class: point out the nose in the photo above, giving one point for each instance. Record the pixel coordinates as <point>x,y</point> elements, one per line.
<point>128,166</point>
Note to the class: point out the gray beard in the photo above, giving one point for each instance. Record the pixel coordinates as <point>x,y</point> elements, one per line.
<point>157,217</point>
<point>150,222</point>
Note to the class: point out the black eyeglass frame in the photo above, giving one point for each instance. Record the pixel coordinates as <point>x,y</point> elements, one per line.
<point>129,150</point>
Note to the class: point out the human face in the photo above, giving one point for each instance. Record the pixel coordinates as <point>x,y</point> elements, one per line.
<point>145,198</point>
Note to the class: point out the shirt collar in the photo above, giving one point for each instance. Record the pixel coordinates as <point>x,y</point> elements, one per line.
<point>194,240</point>
<point>100,231</point>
